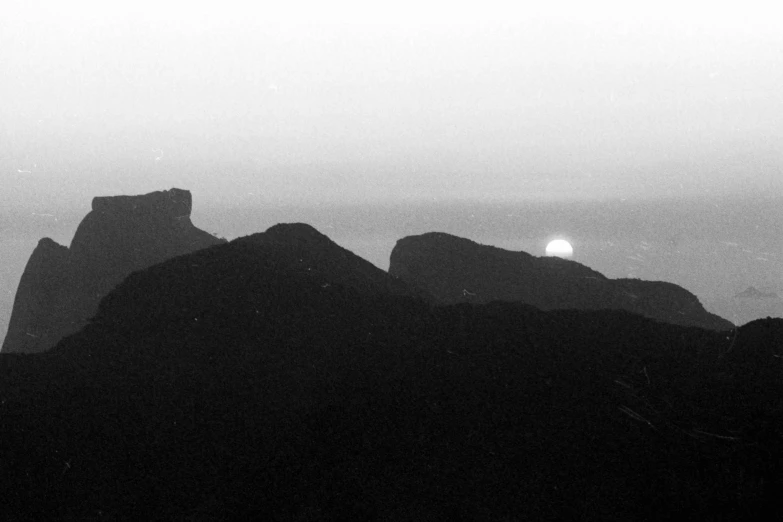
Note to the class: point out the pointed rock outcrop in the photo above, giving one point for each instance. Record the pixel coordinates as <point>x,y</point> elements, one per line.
<point>61,287</point>
<point>456,270</point>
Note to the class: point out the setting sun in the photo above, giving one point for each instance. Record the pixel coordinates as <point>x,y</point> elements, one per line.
<point>559,248</point>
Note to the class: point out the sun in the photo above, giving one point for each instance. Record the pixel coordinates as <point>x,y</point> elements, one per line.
<point>560,248</point>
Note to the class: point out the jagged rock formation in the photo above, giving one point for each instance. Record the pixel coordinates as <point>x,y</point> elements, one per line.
<point>61,287</point>
<point>457,270</point>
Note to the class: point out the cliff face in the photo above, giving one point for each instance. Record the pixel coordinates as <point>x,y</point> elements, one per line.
<point>61,287</point>
<point>458,270</point>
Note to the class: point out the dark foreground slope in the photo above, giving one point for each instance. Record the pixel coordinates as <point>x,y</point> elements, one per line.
<point>61,287</point>
<point>238,382</point>
<point>458,270</point>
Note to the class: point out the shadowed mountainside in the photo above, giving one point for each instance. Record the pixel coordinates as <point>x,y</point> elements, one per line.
<point>279,377</point>
<point>458,270</point>
<point>60,287</point>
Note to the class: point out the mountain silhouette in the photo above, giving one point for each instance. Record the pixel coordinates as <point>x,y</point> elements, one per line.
<point>306,249</point>
<point>245,278</point>
<point>280,377</point>
<point>457,270</point>
<point>753,293</point>
<point>60,287</point>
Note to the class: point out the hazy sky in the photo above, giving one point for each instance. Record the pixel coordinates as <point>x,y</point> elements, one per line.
<point>418,101</point>
<point>375,124</point>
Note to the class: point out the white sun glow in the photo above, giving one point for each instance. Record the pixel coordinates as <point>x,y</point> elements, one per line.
<point>559,248</point>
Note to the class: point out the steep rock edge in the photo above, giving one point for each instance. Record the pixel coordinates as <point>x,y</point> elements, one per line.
<point>61,287</point>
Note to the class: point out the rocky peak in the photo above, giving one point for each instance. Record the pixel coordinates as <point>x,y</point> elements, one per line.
<point>49,247</point>
<point>300,233</point>
<point>61,287</point>
<point>173,203</point>
<point>305,248</point>
<point>137,230</point>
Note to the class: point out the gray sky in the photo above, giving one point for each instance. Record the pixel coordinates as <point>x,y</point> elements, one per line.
<point>353,104</point>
